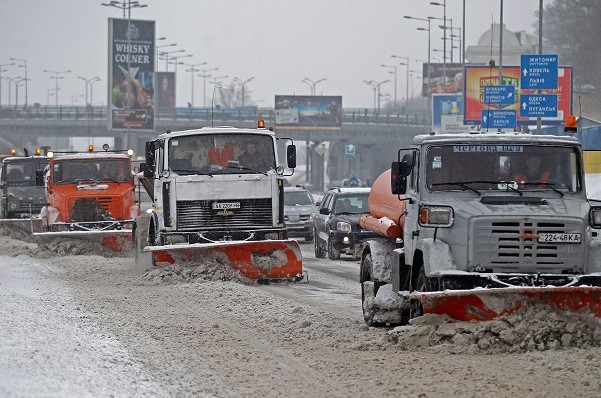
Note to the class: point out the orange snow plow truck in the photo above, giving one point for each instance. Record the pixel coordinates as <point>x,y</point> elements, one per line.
<point>90,196</point>
<point>477,226</point>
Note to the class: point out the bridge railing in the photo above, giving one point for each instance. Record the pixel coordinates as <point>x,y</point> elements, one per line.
<point>417,117</point>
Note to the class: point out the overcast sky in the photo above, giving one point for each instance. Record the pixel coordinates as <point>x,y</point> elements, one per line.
<point>278,42</point>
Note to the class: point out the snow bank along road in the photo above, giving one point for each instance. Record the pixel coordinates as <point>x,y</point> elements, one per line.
<point>90,326</point>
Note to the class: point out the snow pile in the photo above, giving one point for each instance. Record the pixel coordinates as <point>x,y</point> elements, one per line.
<point>534,328</point>
<point>208,271</point>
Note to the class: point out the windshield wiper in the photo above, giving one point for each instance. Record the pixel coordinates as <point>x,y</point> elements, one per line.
<point>545,185</point>
<point>245,168</point>
<point>192,172</point>
<point>461,184</point>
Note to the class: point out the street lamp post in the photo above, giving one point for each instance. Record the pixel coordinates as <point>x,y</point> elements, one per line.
<point>157,53</point>
<point>376,86</point>
<point>125,5</point>
<point>193,70</point>
<point>174,60</point>
<point>428,29</point>
<point>313,84</point>
<point>371,83</point>
<point>56,77</point>
<point>166,57</point>
<point>395,81</point>
<point>87,82</point>
<point>204,76</point>
<point>10,81</point>
<point>444,39</point>
<point>24,66</point>
<point>94,80</point>
<point>3,70</point>
<point>406,63</point>
<point>17,84</point>
<point>243,84</point>
<point>48,94</point>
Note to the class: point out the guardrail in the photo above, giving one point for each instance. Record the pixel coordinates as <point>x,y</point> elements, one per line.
<point>349,116</point>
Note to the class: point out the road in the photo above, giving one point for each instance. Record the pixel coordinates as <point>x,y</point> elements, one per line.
<point>89,326</point>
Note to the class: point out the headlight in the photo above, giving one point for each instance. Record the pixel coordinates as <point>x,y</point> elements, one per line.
<point>436,216</point>
<point>343,226</point>
<point>595,217</point>
<point>13,206</point>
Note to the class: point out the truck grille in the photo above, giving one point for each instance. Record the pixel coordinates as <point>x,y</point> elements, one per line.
<point>199,214</point>
<point>512,245</point>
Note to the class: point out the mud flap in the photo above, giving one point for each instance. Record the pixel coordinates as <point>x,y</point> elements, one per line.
<point>117,241</point>
<point>487,304</point>
<point>261,260</point>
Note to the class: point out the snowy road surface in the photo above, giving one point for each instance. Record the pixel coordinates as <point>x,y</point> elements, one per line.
<point>88,326</point>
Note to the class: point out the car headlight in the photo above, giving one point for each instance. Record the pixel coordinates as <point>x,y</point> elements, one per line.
<point>13,206</point>
<point>436,216</point>
<point>595,217</point>
<point>343,226</point>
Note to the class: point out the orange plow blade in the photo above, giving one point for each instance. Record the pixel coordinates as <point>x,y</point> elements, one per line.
<point>117,241</point>
<point>271,259</point>
<point>487,304</point>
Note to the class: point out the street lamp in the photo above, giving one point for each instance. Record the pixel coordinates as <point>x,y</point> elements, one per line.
<point>243,84</point>
<point>216,81</point>
<point>395,80</point>
<point>24,66</point>
<point>428,29</point>
<point>125,5</point>
<point>157,53</point>
<point>56,77</point>
<point>166,57</point>
<point>376,87</point>
<point>193,70</point>
<point>313,84</point>
<point>94,80</point>
<point>3,70</point>
<point>48,94</point>
<point>87,82</point>
<point>204,76</point>
<point>406,63</point>
<point>444,39</point>
<point>174,60</point>
<point>17,84</point>
<point>10,80</point>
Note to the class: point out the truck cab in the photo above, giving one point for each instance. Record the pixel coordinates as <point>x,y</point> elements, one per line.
<point>21,193</point>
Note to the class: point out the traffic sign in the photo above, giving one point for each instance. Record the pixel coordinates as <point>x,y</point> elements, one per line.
<point>538,105</point>
<point>498,119</point>
<point>499,95</point>
<point>349,151</point>
<point>538,72</point>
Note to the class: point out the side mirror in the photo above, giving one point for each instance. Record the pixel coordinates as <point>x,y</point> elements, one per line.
<point>398,178</point>
<point>324,210</point>
<point>148,167</point>
<point>39,178</point>
<point>291,156</point>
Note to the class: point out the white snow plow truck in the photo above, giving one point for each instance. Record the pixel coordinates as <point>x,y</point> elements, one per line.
<point>477,226</point>
<point>217,192</point>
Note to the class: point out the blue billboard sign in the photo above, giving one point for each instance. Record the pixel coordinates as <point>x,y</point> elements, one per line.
<point>499,118</point>
<point>538,72</point>
<point>538,105</point>
<point>499,95</point>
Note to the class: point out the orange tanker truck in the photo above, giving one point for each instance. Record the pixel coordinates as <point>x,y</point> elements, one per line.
<point>464,233</point>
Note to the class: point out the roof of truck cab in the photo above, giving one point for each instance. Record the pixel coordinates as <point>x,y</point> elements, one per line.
<point>510,138</point>
<point>216,130</point>
<point>24,158</point>
<point>90,155</point>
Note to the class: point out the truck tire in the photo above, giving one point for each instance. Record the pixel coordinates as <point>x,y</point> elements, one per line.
<point>140,238</point>
<point>319,252</point>
<point>333,254</point>
<point>422,284</point>
<point>369,289</point>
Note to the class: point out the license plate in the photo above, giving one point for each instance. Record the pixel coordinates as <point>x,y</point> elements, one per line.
<point>225,205</point>
<point>559,238</point>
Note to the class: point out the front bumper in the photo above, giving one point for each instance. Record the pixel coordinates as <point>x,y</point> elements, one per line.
<point>349,242</point>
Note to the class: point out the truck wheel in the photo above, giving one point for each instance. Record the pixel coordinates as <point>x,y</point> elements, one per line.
<point>319,252</point>
<point>422,284</point>
<point>140,238</point>
<point>369,289</point>
<point>333,254</point>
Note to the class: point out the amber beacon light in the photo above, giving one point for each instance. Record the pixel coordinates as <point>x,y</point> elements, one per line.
<point>570,126</point>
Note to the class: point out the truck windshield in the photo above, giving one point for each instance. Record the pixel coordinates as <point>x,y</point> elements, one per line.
<point>503,167</point>
<point>93,170</point>
<point>22,171</point>
<point>221,154</point>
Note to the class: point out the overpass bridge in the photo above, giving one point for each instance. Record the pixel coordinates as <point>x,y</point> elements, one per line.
<point>376,136</point>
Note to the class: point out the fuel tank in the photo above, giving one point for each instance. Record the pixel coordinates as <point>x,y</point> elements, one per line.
<point>386,209</point>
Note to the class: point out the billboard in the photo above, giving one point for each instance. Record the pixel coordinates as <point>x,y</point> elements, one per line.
<point>478,77</point>
<point>442,79</point>
<point>447,114</point>
<point>131,74</point>
<point>165,93</point>
<point>308,112</point>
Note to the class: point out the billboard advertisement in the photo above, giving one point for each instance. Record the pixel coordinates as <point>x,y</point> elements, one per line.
<point>478,77</point>
<point>308,112</point>
<point>442,78</point>
<point>447,114</point>
<point>131,74</point>
<point>165,93</point>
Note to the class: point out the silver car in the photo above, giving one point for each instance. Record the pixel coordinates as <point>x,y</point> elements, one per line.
<point>299,211</point>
